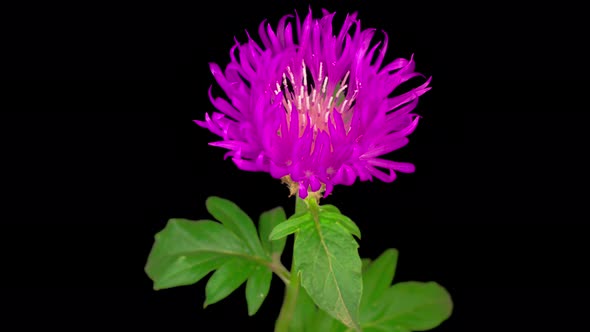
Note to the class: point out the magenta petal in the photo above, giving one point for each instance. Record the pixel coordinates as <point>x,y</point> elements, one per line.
<point>278,172</point>
<point>381,175</point>
<point>233,145</point>
<point>281,29</point>
<point>302,191</point>
<point>386,148</point>
<point>225,107</point>
<point>346,176</point>
<point>219,77</point>
<point>329,188</point>
<point>201,123</point>
<point>404,167</point>
<point>262,33</point>
<point>405,131</point>
<point>394,165</point>
<point>315,184</point>
<point>246,165</point>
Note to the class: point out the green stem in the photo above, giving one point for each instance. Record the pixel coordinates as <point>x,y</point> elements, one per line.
<point>291,288</point>
<point>279,269</point>
<point>289,303</point>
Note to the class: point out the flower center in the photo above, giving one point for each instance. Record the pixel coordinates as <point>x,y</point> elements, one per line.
<point>315,95</point>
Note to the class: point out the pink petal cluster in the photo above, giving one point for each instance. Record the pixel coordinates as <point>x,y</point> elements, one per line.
<point>314,104</point>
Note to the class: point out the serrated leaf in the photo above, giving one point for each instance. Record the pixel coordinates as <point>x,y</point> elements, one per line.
<point>227,279</point>
<point>236,220</point>
<point>343,220</point>
<point>185,251</point>
<point>267,222</point>
<point>290,226</point>
<point>417,306</point>
<point>257,288</point>
<point>326,256</point>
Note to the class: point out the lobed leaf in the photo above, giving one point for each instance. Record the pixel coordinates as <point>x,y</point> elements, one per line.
<point>257,288</point>
<point>185,251</point>
<point>236,220</point>
<point>227,279</point>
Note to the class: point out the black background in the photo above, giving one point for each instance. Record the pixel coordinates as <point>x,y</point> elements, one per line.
<point>99,150</point>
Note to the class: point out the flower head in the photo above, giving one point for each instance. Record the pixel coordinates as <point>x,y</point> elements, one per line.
<point>314,105</point>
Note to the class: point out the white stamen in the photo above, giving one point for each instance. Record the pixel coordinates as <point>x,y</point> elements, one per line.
<point>289,105</point>
<point>345,77</point>
<point>304,73</point>
<point>310,97</point>
<point>342,108</point>
<point>341,89</point>
<point>325,85</point>
<point>291,76</point>
<point>286,86</point>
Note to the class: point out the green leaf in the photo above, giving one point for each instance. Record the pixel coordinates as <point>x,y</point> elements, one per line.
<point>304,312</point>
<point>300,205</point>
<point>291,225</point>
<point>417,306</point>
<point>321,321</point>
<point>257,288</point>
<point>366,262</point>
<point>379,275</point>
<point>330,208</point>
<point>185,251</point>
<point>342,220</point>
<point>378,329</point>
<point>403,307</point>
<point>227,279</point>
<point>269,220</point>
<point>326,255</point>
<point>236,220</point>
<point>309,318</point>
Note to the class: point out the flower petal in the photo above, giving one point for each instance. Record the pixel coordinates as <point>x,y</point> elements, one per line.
<point>393,165</point>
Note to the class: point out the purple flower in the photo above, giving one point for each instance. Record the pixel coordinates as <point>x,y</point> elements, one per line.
<point>314,106</point>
